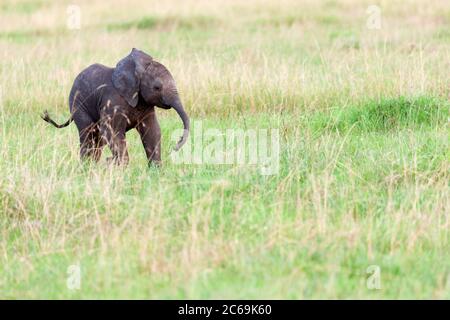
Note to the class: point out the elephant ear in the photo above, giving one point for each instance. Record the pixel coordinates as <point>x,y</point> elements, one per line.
<point>127,74</point>
<point>125,80</point>
<point>142,61</point>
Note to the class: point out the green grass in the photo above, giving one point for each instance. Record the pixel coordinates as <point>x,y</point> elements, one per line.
<point>364,155</point>
<point>24,6</point>
<point>386,115</point>
<point>168,22</point>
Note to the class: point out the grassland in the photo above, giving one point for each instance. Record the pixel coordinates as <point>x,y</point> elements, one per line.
<point>364,170</point>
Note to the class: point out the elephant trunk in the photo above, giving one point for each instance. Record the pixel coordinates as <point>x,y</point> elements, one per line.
<point>178,106</point>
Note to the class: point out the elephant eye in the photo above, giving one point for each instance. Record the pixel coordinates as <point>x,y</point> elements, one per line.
<point>157,87</point>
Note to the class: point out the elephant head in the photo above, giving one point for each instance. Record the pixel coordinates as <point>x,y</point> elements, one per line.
<point>139,76</point>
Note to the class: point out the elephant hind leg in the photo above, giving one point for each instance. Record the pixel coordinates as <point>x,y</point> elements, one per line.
<point>98,144</point>
<point>91,143</point>
<point>86,131</point>
<point>87,143</point>
<point>116,142</point>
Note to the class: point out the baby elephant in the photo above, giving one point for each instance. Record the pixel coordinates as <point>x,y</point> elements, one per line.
<point>107,102</point>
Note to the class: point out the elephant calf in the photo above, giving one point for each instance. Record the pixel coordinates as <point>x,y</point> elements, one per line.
<point>107,102</point>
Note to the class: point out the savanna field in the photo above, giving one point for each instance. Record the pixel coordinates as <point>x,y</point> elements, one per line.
<point>362,189</point>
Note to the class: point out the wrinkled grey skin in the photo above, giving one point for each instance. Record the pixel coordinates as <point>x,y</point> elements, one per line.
<point>107,102</point>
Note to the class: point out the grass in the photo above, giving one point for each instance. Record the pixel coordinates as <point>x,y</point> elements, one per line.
<point>164,23</point>
<point>386,115</point>
<point>364,153</point>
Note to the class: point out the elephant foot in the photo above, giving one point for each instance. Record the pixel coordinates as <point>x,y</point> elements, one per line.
<point>116,161</point>
<point>154,164</point>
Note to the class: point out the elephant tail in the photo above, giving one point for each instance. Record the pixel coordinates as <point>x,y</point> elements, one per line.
<point>47,118</point>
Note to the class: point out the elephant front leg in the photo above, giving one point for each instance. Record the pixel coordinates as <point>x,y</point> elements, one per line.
<point>115,138</point>
<point>150,133</point>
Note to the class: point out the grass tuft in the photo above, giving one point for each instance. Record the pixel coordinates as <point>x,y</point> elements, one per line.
<point>387,114</point>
